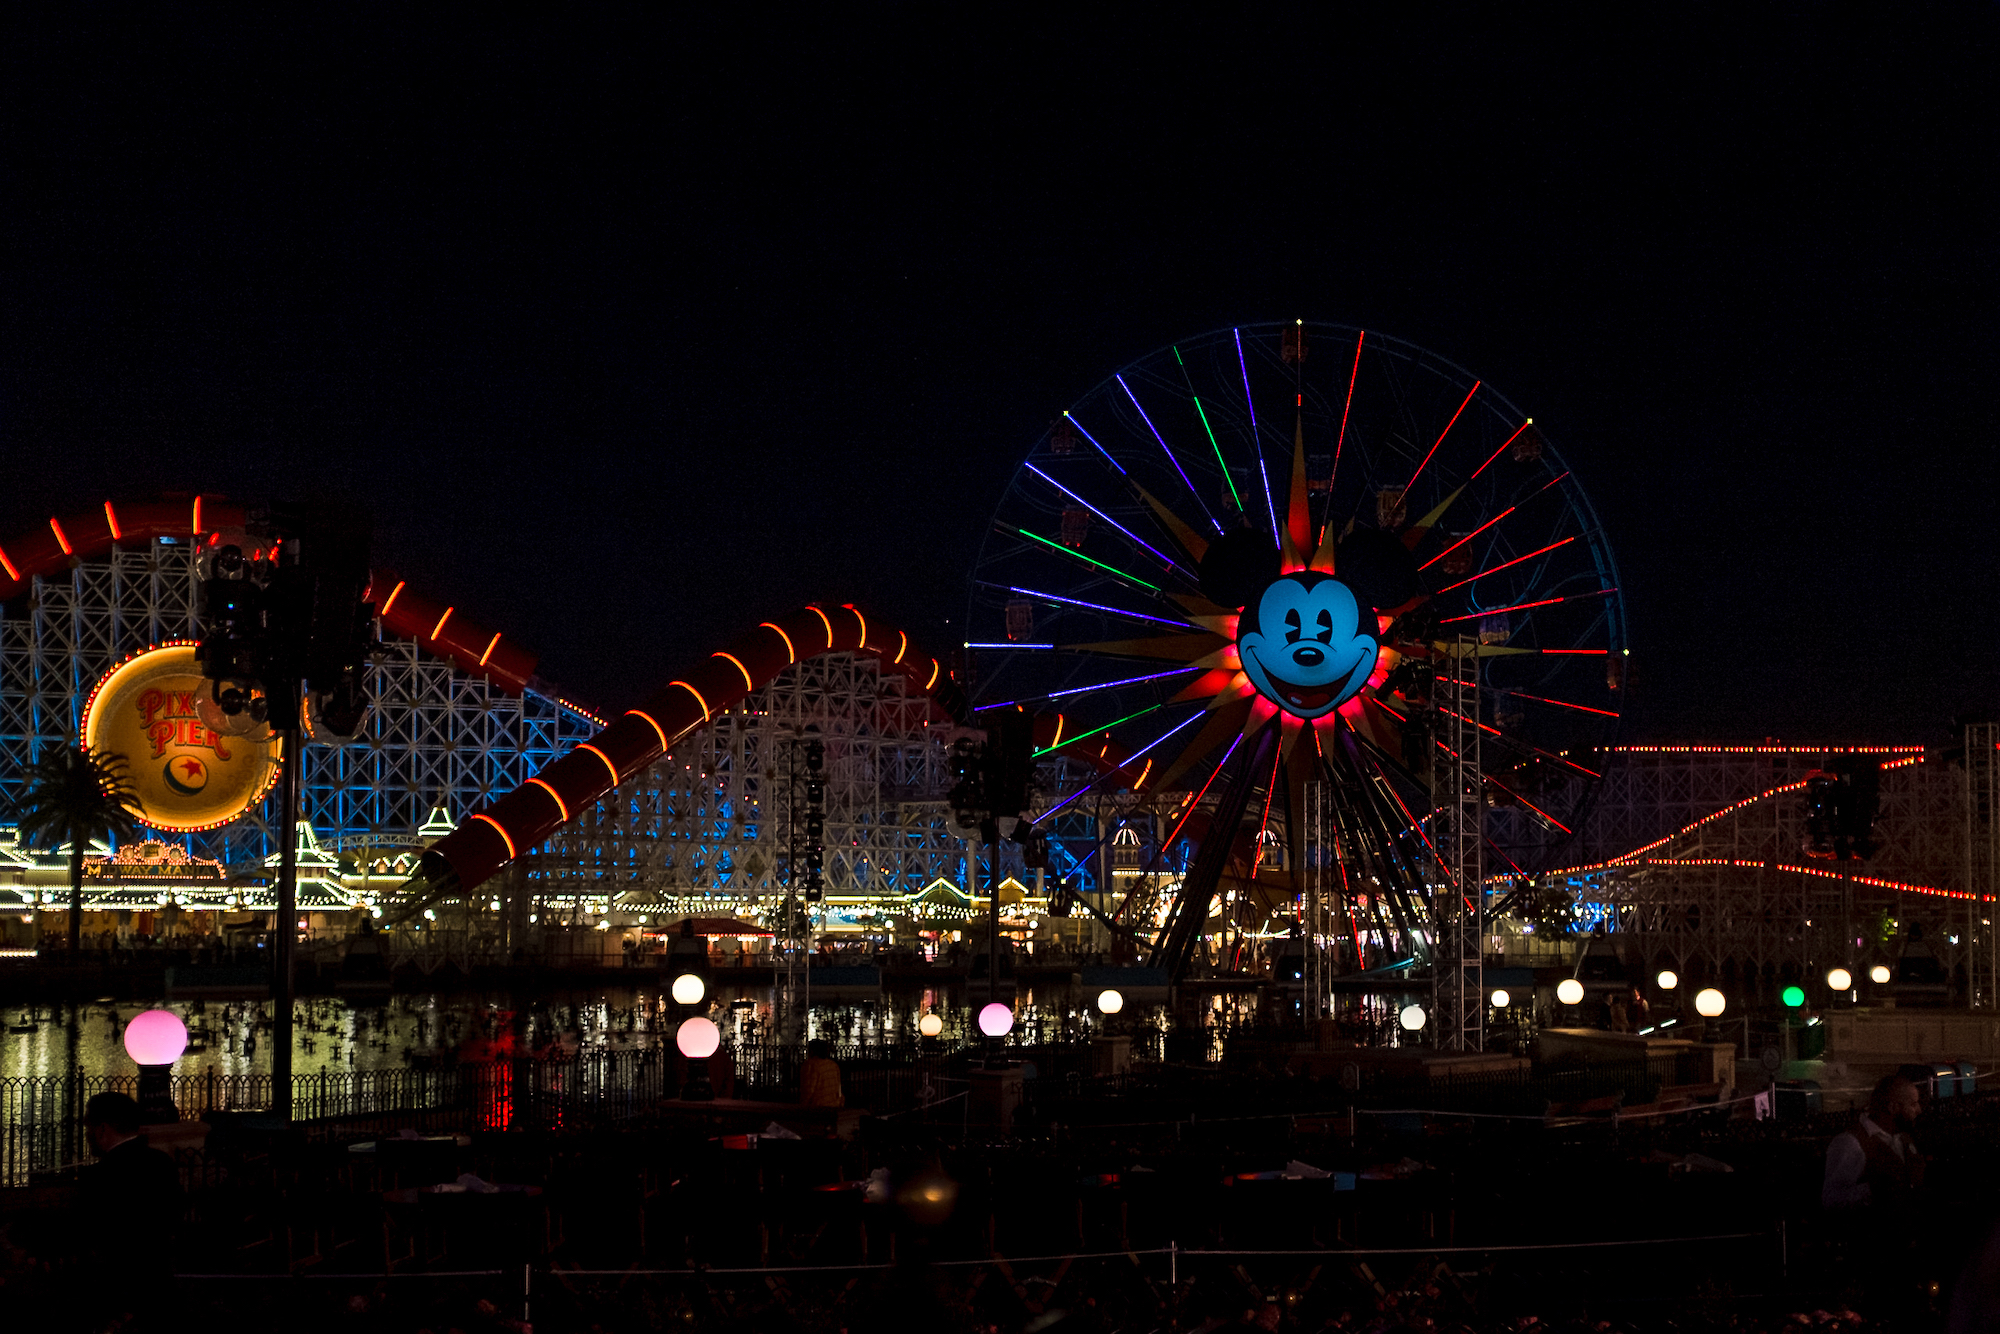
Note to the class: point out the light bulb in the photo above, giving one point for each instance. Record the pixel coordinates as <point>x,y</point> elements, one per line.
<point>1501,1000</point>
<point>1879,973</point>
<point>1569,991</point>
<point>1668,979</point>
<point>1840,979</point>
<point>1709,1003</point>
<point>1412,1018</point>
<point>1110,1001</point>
<point>930,1025</point>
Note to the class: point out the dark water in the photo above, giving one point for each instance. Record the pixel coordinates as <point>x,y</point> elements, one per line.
<point>332,1035</point>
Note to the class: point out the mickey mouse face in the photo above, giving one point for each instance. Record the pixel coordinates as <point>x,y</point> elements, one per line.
<point>1302,644</point>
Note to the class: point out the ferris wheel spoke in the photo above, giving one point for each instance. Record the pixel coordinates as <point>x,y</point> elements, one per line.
<point>1558,703</point>
<point>1078,555</point>
<point>1347,407</point>
<point>1213,443</point>
<point>1495,569</point>
<point>1502,450</point>
<point>1168,451</point>
<point>1079,690</point>
<point>1411,485</point>
<point>1165,559</point>
<point>1091,606</point>
<point>1524,606</point>
<point>1256,440</point>
<point>1100,448</point>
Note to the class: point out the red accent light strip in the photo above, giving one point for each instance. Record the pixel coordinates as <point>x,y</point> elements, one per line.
<point>62,538</point>
<point>197,516</point>
<point>8,566</point>
<point>390,601</point>
<point>1524,606</point>
<point>849,606</point>
<point>602,756</point>
<point>697,696</point>
<point>902,647</point>
<point>505,837</point>
<point>1505,564</point>
<point>438,629</point>
<point>1600,652</point>
<point>111,518</point>
<point>562,807</point>
<point>791,654</point>
<point>748,684</point>
<point>935,669</point>
<point>641,713</point>
<point>1441,435</point>
<point>825,622</point>
<point>1502,450</point>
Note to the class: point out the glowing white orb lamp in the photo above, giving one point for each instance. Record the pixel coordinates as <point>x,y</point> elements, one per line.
<point>689,989</point>
<point>1709,1003</point>
<point>1501,1000</point>
<point>1569,991</point>
<point>1879,974</point>
<point>930,1025</point>
<point>1840,979</point>
<point>1412,1018</point>
<point>1110,1000</point>
<point>1668,979</point>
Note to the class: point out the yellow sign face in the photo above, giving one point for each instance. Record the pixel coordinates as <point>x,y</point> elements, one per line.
<point>149,709</point>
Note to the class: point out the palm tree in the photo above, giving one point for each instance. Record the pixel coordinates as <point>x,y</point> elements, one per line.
<point>75,795</point>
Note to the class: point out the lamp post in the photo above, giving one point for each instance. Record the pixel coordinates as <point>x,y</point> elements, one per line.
<point>155,1040</point>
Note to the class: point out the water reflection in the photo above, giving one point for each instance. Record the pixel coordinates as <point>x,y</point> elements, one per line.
<point>234,1037</point>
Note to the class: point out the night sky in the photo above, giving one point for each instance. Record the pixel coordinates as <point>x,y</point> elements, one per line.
<point>634,332</point>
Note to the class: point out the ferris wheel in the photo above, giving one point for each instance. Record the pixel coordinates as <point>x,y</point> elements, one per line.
<point>1285,554</point>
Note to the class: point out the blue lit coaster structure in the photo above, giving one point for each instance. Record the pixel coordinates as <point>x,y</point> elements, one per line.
<point>1306,567</point>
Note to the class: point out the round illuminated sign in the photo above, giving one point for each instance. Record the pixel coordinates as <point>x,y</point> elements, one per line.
<point>1303,644</point>
<point>186,775</point>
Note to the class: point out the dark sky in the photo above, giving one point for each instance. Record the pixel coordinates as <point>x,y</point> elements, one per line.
<point>635,332</point>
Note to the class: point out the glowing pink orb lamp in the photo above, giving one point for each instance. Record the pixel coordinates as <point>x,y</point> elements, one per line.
<point>996,1020</point>
<point>156,1037</point>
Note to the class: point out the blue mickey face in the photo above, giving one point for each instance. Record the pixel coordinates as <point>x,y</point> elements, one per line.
<point>1304,647</point>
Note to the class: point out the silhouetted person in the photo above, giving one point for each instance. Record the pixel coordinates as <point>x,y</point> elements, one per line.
<point>819,1078</point>
<point>132,1188</point>
<point>128,1210</point>
<point>1873,1171</point>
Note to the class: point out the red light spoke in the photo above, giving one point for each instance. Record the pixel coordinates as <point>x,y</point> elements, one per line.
<point>1560,703</point>
<point>1503,449</point>
<point>1441,435</point>
<point>1524,606</point>
<point>1525,802</point>
<point>1351,376</point>
<point>1468,537</point>
<point>1505,564</point>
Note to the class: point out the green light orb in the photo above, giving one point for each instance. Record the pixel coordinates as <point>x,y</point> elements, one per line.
<point>1794,997</point>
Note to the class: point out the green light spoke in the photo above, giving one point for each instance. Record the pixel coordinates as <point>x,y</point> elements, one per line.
<point>1085,736</point>
<point>1231,481</point>
<point>1108,569</point>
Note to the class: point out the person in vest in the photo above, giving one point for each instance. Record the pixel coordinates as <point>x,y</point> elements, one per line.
<point>1874,1163</point>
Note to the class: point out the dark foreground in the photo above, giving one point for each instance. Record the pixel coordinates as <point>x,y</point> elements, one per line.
<point>1160,1202</point>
